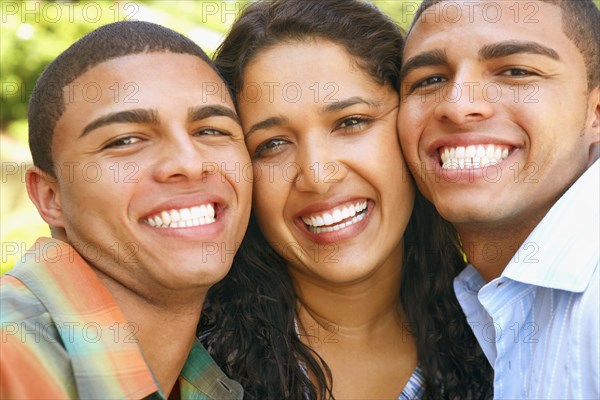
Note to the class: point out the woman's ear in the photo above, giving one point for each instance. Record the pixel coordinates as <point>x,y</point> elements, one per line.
<point>43,192</point>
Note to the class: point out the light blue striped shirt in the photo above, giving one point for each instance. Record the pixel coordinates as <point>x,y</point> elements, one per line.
<point>538,323</point>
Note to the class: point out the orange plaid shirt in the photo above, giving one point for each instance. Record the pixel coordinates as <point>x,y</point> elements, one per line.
<point>64,336</point>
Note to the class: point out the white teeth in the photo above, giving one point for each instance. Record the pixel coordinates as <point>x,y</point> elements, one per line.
<point>319,223</point>
<point>345,213</point>
<point>175,217</point>
<point>470,152</point>
<point>196,213</point>
<point>337,227</point>
<point>473,156</point>
<point>166,218</point>
<point>186,214</point>
<point>480,151</point>
<point>184,217</point>
<point>337,216</point>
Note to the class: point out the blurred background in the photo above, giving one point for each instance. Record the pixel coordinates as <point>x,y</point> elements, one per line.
<point>33,33</point>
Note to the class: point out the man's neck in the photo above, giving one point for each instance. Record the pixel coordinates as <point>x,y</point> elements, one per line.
<point>165,328</point>
<point>490,248</point>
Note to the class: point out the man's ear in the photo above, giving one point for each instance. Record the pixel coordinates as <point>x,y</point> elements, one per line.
<point>43,192</point>
<point>594,123</point>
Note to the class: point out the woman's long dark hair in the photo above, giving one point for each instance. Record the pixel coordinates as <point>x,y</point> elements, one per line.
<point>248,322</point>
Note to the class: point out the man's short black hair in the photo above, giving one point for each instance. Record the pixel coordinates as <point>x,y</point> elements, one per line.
<point>47,103</point>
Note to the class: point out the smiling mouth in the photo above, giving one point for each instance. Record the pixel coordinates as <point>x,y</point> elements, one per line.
<point>473,156</point>
<point>337,218</point>
<point>183,217</point>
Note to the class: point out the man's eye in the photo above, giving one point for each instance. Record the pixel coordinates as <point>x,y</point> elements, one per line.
<point>269,146</point>
<point>211,132</point>
<point>124,141</point>
<point>425,83</point>
<point>517,72</point>
<point>432,80</point>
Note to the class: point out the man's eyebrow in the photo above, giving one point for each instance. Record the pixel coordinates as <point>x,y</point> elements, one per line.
<point>508,48</point>
<point>137,116</point>
<point>425,59</point>
<point>342,104</point>
<point>266,124</point>
<point>202,112</point>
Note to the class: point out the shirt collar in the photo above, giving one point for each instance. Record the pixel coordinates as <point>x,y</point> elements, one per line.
<point>201,378</point>
<point>562,251</point>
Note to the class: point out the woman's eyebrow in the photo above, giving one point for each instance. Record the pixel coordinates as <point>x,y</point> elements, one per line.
<point>265,124</point>
<point>341,104</point>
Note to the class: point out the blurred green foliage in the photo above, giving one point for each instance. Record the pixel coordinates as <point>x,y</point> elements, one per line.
<point>33,33</point>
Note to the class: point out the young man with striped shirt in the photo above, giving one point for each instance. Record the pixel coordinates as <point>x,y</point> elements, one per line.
<point>500,124</point>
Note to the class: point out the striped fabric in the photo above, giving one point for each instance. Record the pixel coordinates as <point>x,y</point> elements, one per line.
<point>538,323</point>
<point>415,387</point>
<point>63,336</point>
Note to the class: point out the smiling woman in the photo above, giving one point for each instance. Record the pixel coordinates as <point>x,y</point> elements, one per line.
<point>343,286</point>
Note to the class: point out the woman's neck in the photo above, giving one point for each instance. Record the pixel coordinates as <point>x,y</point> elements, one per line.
<point>360,323</point>
<point>357,307</point>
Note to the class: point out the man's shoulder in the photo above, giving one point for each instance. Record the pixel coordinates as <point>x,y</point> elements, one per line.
<point>18,303</point>
<point>30,342</point>
<point>19,286</point>
<point>24,319</point>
